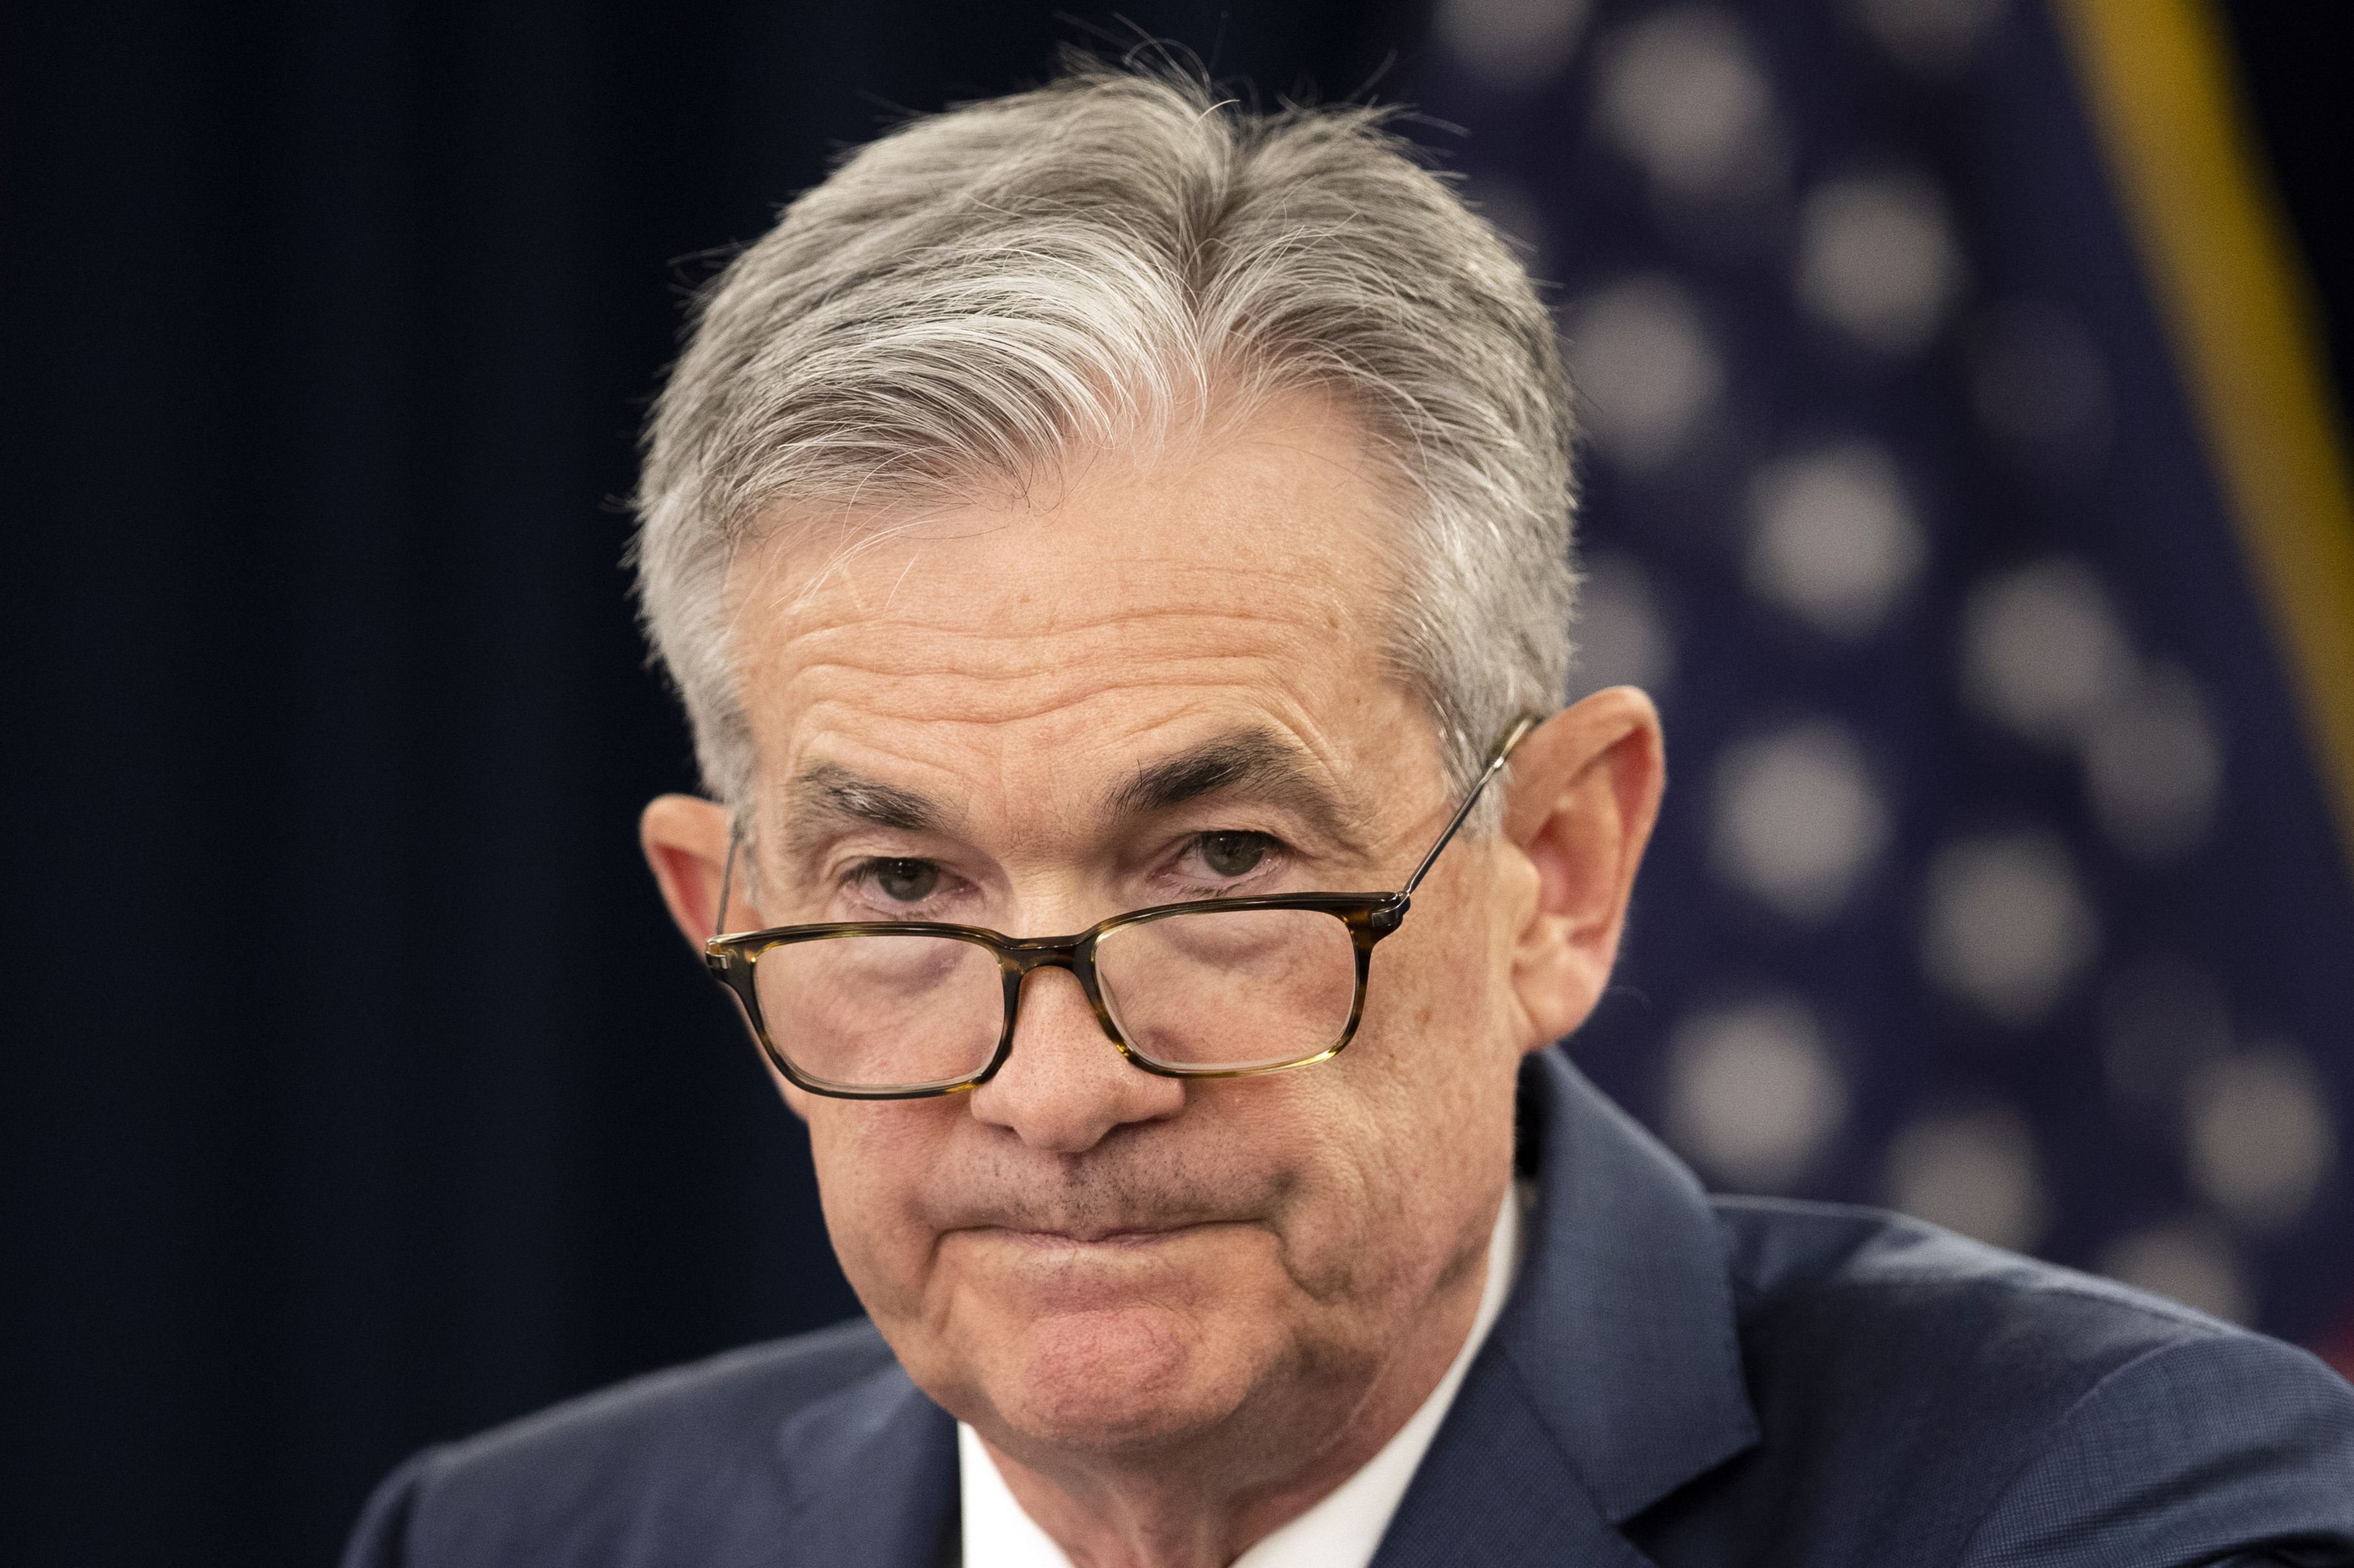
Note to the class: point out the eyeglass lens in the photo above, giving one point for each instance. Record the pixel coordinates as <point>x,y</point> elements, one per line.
<point>1215,990</point>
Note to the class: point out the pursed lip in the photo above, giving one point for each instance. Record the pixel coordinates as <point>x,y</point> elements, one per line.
<point>1117,1236</point>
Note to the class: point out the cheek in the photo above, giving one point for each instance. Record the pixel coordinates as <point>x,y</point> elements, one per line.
<point>871,1159</point>
<point>1438,1048</point>
<point>1437,985</point>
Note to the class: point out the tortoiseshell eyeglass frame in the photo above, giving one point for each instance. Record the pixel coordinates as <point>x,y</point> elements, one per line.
<point>1369,916</point>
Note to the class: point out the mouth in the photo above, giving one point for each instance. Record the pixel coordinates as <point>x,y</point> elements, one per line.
<point>1119,1236</point>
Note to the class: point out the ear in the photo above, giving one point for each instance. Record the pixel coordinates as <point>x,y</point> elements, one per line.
<point>1585,791</point>
<point>687,843</point>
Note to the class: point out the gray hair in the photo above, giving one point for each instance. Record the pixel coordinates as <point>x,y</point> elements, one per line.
<point>1106,259</point>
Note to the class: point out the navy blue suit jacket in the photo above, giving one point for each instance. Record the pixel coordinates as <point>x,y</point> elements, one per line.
<point>1675,1379</point>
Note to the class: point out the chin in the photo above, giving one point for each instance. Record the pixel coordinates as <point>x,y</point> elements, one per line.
<point>1118,1379</point>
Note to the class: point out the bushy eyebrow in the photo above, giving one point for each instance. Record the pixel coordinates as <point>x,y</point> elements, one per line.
<point>827,795</point>
<point>1253,762</point>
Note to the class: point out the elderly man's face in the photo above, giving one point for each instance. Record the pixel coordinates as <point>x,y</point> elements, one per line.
<point>1078,1254</point>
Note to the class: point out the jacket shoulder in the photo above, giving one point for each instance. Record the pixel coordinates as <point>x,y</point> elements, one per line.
<point>1797,1268</point>
<point>668,1456</point>
<point>1923,1398</point>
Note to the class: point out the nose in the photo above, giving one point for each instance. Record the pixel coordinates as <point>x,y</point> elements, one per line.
<point>1066,1084</point>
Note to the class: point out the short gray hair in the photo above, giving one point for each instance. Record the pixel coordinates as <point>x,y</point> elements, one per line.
<point>1104,258</point>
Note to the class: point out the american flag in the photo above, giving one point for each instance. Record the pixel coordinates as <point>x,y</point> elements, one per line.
<point>2004,877</point>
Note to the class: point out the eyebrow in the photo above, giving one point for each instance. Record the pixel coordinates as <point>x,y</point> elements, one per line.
<point>1249,761</point>
<point>829,795</point>
<point>1252,761</point>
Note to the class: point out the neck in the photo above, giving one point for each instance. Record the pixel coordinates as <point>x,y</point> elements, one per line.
<point>1202,1503</point>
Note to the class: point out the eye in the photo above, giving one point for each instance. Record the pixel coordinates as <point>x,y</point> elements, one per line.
<point>905,881</point>
<point>1233,853</point>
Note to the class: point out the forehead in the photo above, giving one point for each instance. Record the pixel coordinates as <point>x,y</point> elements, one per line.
<point>1241,581</point>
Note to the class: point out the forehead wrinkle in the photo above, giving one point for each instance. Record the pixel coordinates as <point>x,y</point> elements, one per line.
<point>1080,584</point>
<point>981,703</point>
<point>1191,625</point>
<point>980,680</point>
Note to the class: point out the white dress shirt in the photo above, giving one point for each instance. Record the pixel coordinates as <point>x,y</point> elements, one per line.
<point>1341,1531</point>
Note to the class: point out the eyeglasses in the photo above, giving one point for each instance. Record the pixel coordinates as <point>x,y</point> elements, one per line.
<point>1222,988</point>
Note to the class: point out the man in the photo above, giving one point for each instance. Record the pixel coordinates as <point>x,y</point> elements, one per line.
<point>1106,501</point>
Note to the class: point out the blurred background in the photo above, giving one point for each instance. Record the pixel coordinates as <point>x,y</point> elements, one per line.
<point>1962,380</point>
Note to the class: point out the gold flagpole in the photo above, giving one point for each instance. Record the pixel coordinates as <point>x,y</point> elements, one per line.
<point>2157,77</point>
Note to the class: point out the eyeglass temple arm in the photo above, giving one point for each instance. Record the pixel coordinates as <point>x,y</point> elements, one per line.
<point>727,878</point>
<point>1513,738</point>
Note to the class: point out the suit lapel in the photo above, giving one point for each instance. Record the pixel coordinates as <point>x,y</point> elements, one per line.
<point>1495,1490</point>
<point>1614,1376</point>
<point>872,1471</point>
